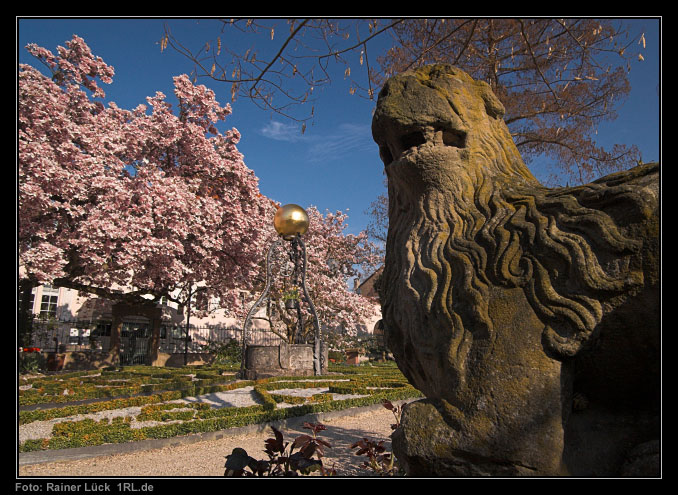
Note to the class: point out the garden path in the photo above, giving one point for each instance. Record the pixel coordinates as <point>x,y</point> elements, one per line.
<point>206,458</point>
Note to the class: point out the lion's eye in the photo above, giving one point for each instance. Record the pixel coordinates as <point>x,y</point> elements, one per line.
<point>454,138</point>
<point>412,140</point>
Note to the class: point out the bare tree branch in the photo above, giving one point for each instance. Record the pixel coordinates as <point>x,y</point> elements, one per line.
<point>550,74</point>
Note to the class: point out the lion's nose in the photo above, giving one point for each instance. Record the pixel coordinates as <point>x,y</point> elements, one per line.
<point>397,144</point>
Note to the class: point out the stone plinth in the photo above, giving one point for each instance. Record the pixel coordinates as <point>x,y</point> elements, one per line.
<point>262,361</point>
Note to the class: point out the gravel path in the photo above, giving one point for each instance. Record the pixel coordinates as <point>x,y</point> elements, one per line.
<point>207,458</point>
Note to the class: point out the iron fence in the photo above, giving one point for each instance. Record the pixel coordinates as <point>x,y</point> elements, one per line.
<point>53,335</point>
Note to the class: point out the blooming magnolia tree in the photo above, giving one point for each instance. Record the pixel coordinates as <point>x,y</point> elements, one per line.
<point>125,203</point>
<point>155,200</point>
<point>334,259</point>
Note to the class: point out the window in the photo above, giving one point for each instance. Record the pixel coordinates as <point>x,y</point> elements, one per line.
<point>48,305</point>
<point>103,329</point>
<point>48,302</point>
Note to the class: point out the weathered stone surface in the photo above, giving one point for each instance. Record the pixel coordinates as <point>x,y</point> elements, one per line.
<point>263,361</point>
<point>503,300</point>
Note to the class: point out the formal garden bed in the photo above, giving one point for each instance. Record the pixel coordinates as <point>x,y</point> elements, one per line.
<point>140,403</point>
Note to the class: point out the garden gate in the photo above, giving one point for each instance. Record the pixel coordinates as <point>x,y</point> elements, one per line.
<point>134,340</point>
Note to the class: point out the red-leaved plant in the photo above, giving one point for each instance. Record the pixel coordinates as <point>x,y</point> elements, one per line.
<point>281,461</point>
<point>378,460</point>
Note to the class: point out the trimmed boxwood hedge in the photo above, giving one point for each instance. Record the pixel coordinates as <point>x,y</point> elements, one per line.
<point>131,381</point>
<point>374,384</point>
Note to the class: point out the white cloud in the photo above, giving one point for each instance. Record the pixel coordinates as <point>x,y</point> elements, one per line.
<point>347,138</point>
<point>282,132</point>
<point>327,146</point>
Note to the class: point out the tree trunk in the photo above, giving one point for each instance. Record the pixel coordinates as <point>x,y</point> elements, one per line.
<point>153,342</point>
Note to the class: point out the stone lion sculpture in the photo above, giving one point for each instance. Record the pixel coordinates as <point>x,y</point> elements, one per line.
<point>527,316</point>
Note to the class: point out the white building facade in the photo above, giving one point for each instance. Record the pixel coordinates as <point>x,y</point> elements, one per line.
<point>66,320</point>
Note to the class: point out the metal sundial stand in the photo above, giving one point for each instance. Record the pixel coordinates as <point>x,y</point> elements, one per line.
<point>292,247</point>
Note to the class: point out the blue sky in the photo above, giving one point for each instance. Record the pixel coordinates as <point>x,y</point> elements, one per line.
<point>334,165</point>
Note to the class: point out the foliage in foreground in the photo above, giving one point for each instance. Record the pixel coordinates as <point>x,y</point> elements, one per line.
<point>378,460</point>
<point>281,460</point>
<point>309,453</point>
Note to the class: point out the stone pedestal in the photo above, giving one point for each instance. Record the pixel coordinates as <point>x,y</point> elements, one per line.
<point>262,361</point>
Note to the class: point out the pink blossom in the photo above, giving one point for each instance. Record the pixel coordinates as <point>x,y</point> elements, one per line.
<point>155,199</point>
<point>144,199</point>
<point>334,260</point>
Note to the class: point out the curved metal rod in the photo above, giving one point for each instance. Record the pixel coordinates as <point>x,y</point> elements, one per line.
<point>253,309</point>
<point>318,364</point>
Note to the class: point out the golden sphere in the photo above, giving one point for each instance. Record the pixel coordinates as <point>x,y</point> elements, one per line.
<point>290,220</point>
